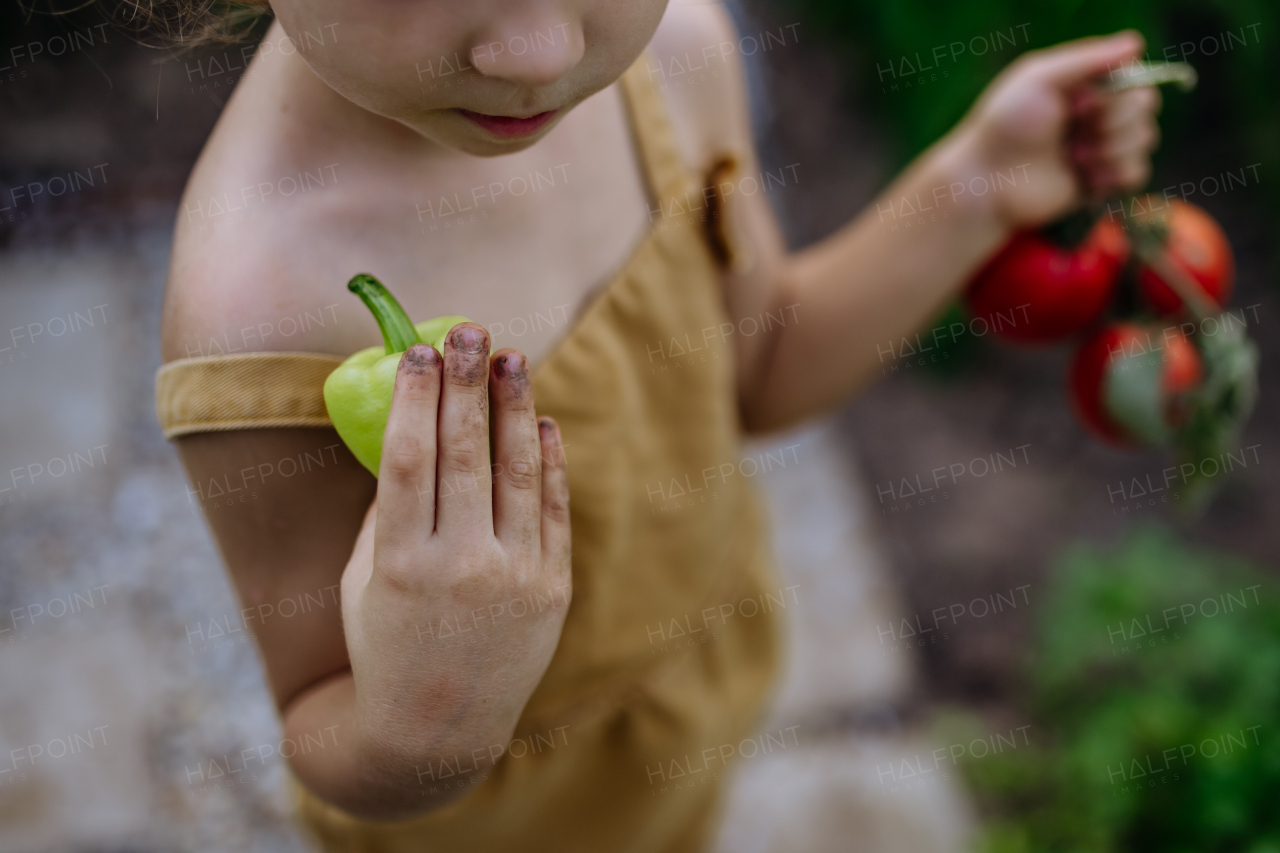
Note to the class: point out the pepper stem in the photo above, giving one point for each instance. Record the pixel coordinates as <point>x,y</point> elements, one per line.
<point>397,329</point>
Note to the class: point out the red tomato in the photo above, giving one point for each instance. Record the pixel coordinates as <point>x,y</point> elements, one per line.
<point>1036,291</point>
<point>1196,244</point>
<point>1100,354</point>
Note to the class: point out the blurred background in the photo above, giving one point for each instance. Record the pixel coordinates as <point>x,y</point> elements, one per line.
<point>991,667</point>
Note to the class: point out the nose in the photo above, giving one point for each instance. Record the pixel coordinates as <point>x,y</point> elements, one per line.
<point>533,55</point>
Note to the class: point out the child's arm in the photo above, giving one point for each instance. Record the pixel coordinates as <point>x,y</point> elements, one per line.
<point>415,697</point>
<point>860,290</point>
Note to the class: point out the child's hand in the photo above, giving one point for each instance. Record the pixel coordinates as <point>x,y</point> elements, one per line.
<point>1064,140</point>
<point>459,582</point>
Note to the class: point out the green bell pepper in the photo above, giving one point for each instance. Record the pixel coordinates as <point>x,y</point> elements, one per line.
<point>358,393</point>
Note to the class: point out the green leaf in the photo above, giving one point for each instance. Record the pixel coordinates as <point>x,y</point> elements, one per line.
<point>1221,405</point>
<point>1140,650</point>
<point>1132,395</point>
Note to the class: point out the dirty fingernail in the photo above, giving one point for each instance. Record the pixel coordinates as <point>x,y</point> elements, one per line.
<point>419,358</point>
<point>469,339</point>
<point>510,366</point>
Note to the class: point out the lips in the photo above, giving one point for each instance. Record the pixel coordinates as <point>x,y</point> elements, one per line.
<point>508,127</point>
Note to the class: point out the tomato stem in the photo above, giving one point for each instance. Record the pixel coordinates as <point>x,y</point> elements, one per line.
<point>1138,74</point>
<point>1151,250</point>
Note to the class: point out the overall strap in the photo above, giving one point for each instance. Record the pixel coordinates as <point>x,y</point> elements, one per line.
<point>670,179</point>
<point>255,390</point>
<point>651,127</point>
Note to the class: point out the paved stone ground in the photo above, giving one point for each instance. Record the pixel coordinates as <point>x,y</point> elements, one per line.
<point>111,712</point>
<point>836,786</point>
<point>105,564</point>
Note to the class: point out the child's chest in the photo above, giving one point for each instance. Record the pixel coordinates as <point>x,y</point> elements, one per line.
<point>518,243</point>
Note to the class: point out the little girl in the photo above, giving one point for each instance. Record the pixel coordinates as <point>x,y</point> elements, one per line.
<point>501,673</point>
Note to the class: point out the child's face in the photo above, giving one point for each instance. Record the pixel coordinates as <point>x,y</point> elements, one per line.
<point>481,76</point>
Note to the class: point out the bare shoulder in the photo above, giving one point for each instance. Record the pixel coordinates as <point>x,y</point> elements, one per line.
<point>696,63</point>
<point>259,230</point>
<point>242,279</point>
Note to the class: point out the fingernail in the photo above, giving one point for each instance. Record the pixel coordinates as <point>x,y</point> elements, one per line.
<point>418,358</point>
<point>510,366</point>
<point>549,432</point>
<point>469,339</point>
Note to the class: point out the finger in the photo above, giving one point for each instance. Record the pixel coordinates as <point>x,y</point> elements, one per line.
<point>464,499</point>
<point>1128,174</point>
<point>1088,101</point>
<point>1137,141</point>
<point>360,566</point>
<point>517,472</point>
<point>1136,106</point>
<point>1140,138</point>
<point>1076,62</point>
<point>407,473</point>
<point>555,498</point>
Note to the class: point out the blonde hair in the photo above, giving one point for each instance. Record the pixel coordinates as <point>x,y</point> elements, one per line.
<point>186,24</point>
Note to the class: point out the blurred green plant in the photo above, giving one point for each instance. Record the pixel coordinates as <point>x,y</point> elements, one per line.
<point>1156,699</point>
<point>952,50</point>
